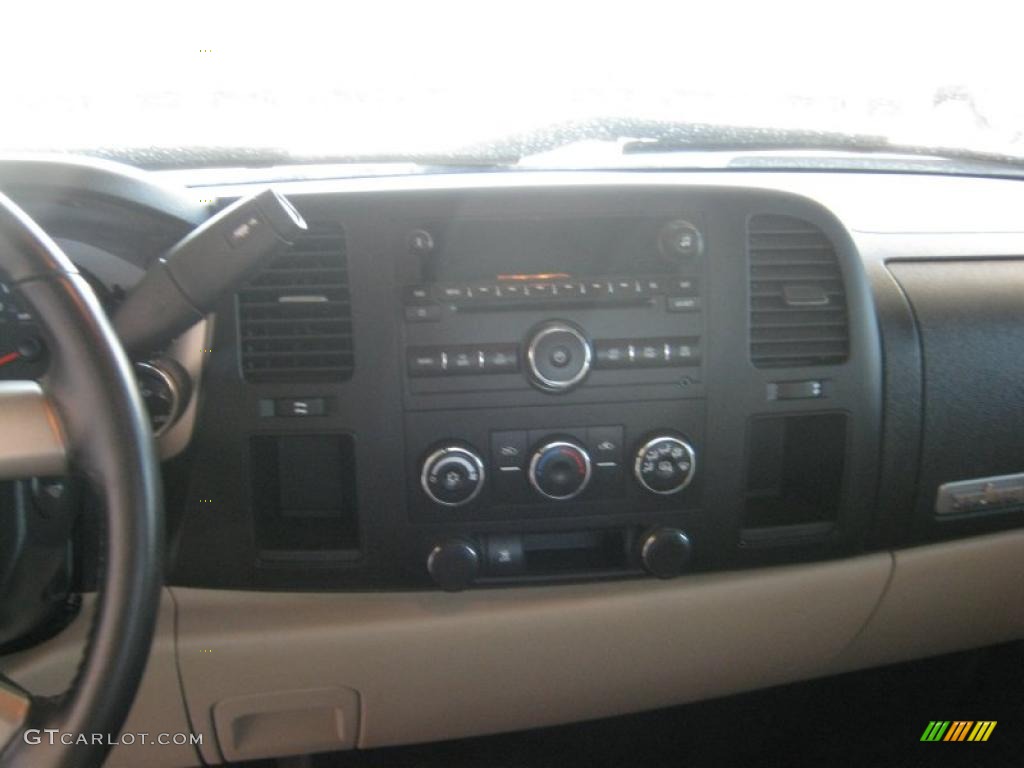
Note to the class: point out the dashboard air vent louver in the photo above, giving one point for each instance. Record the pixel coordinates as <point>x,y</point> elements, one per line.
<point>294,317</point>
<point>797,300</point>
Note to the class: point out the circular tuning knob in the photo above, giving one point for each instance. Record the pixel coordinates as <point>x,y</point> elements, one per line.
<point>560,470</point>
<point>452,476</point>
<point>665,552</point>
<point>679,240</point>
<point>453,564</point>
<point>558,357</point>
<point>665,464</point>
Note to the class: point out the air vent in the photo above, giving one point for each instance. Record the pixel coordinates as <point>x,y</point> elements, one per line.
<point>797,301</point>
<point>294,317</point>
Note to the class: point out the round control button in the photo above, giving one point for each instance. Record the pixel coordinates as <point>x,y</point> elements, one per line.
<point>453,564</point>
<point>560,470</point>
<point>558,357</point>
<point>679,240</point>
<point>665,552</point>
<point>420,242</point>
<point>452,476</point>
<point>665,465</point>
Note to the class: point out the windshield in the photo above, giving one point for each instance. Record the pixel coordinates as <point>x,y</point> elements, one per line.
<point>477,81</point>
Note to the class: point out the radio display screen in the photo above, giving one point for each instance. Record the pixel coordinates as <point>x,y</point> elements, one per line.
<point>489,249</point>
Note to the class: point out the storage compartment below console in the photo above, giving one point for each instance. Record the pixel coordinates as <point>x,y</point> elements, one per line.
<point>795,476</point>
<point>303,496</point>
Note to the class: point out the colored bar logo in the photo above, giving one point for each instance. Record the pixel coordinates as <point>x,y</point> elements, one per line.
<point>958,730</point>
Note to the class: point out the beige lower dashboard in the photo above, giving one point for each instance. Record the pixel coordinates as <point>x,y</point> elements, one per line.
<point>285,673</point>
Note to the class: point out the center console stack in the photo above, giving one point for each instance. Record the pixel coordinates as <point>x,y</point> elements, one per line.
<point>556,396</point>
<point>539,382</point>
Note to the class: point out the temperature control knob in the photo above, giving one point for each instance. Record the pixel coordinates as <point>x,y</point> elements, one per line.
<point>665,465</point>
<point>452,476</point>
<point>560,470</point>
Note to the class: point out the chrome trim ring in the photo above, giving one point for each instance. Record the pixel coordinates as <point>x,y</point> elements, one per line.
<point>532,474</point>
<point>175,391</point>
<point>677,441</point>
<point>553,385</point>
<point>468,458</point>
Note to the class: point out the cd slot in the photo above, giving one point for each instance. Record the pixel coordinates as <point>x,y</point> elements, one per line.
<point>553,302</point>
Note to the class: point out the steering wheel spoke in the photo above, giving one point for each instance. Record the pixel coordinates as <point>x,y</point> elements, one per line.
<point>34,442</point>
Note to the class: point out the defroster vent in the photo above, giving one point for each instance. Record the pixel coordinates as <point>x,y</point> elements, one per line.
<point>798,312</point>
<point>294,317</point>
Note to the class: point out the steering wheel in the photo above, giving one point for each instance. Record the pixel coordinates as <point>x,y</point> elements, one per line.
<point>84,416</point>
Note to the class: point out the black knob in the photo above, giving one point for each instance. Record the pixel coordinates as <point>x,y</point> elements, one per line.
<point>453,564</point>
<point>665,464</point>
<point>558,357</point>
<point>680,241</point>
<point>420,242</point>
<point>665,552</point>
<point>560,470</point>
<point>452,476</point>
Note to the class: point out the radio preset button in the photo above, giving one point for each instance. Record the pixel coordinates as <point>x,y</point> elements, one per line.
<point>425,362</point>
<point>686,286</point>
<point>423,313</point>
<point>614,354</point>
<point>682,352</point>
<point>415,294</point>
<point>542,290</point>
<point>650,353</point>
<point>501,358</point>
<point>568,290</point>
<point>455,361</point>
<point>682,303</point>
<point>452,292</point>
<point>484,292</point>
<point>464,360</point>
<point>647,353</point>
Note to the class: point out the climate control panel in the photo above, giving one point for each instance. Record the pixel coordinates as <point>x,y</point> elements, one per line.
<point>526,468</point>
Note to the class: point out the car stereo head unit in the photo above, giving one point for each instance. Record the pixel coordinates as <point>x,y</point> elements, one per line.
<point>553,303</point>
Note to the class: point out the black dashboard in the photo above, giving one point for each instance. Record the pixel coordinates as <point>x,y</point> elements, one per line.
<point>502,379</point>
